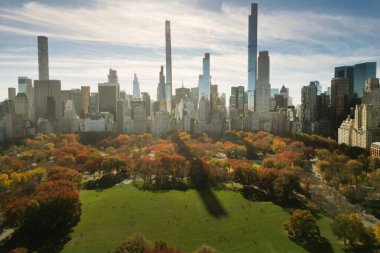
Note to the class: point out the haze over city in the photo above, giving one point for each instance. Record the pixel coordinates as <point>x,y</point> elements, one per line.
<point>86,39</point>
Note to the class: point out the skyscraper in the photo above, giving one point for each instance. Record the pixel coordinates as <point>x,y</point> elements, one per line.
<point>205,79</point>
<point>120,111</point>
<point>11,93</point>
<point>47,93</point>
<point>161,86</point>
<point>108,94</point>
<point>362,72</point>
<point>252,55</point>
<point>348,73</point>
<point>262,92</point>
<point>339,102</point>
<point>146,102</point>
<point>23,83</point>
<point>85,92</point>
<point>136,87</point>
<point>168,45</point>
<point>43,58</point>
<point>308,114</point>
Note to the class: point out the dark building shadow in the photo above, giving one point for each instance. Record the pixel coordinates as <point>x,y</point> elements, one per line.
<point>211,202</point>
<point>200,179</point>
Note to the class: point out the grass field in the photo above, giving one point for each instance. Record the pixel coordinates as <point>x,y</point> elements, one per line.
<point>184,220</point>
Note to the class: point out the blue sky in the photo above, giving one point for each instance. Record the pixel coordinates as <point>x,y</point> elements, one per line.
<point>305,39</point>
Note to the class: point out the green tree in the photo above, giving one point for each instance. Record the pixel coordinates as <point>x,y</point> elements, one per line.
<point>302,227</point>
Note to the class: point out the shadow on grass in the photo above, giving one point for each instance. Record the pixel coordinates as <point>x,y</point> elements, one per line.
<point>321,245</point>
<point>151,187</point>
<point>200,179</point>
<point>211,202</point>
<point>53,243</point>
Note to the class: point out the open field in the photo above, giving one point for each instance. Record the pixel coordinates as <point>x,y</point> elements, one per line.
<point>185,219</point>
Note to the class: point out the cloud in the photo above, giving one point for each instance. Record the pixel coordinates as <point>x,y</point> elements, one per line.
<point>303,46</point>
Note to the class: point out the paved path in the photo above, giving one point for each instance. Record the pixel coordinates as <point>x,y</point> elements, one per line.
<point>332,201</point>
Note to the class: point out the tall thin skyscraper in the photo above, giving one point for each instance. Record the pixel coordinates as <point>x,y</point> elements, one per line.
<point>136,87</point>
<point>168,89</point>
<point>252,55</point>
<point>262,92</point>
<point>205,79</point>
<point>43,58</point>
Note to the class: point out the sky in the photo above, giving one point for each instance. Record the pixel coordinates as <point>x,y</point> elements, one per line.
<point>306,39</point>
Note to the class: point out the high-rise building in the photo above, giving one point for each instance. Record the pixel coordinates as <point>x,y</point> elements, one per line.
<point>76,98</point>
<point>161,86</point>
<point>23,83</point>
<point>318,85</point>
<point>205,80</point>
<point>274,91</point>
<point>308,107</point>
<point>339,102</point>
<point>252,55</point>
<point>237,107</point>
<point>120,111</point>
<point>262,92</point>
<point>372,93</point>
<point>43,58</point>
<point>85,93</point>
<point>47,93</point>
<point>108,94</point>
<point>136,87</point>
<point>362,72</point>
<point>181,94</point>
<point>11,93</point>
<point>21,105</point>
<point>146,102</point>
<point>48,102</point>
<point>348,73</point>
<point>168,88</point>
<point>94,102</point>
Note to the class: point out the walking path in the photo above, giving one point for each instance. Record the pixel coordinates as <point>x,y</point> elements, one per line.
<point>332,201</point>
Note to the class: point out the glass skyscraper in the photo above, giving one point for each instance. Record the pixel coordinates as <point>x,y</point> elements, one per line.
<point>362,72</point>
<point>205,79</point>
<point>252,55</point>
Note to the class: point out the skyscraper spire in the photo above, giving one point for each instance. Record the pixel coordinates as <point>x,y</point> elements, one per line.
<point>252,55</point>
<point>136,87</point>
<point>43,58</point>
<point>168,88</point>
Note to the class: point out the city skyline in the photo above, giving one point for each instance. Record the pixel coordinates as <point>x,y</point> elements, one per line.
<point>139,54</point>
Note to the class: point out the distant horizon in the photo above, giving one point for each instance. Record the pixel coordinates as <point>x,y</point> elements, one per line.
<point>82,46</point>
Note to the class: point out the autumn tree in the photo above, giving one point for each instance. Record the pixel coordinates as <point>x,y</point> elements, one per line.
<point>205,249</point>
<point>302,227</point>
<point>377,232</point>
<point>55,205</point>
<point>349,228</point>
<point>284,186</point>
<point>137,243</point>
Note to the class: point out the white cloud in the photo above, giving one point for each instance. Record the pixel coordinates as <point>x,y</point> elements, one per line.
<point>293,38</point>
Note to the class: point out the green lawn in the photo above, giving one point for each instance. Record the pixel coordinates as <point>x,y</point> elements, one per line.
<point>182,219</point>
